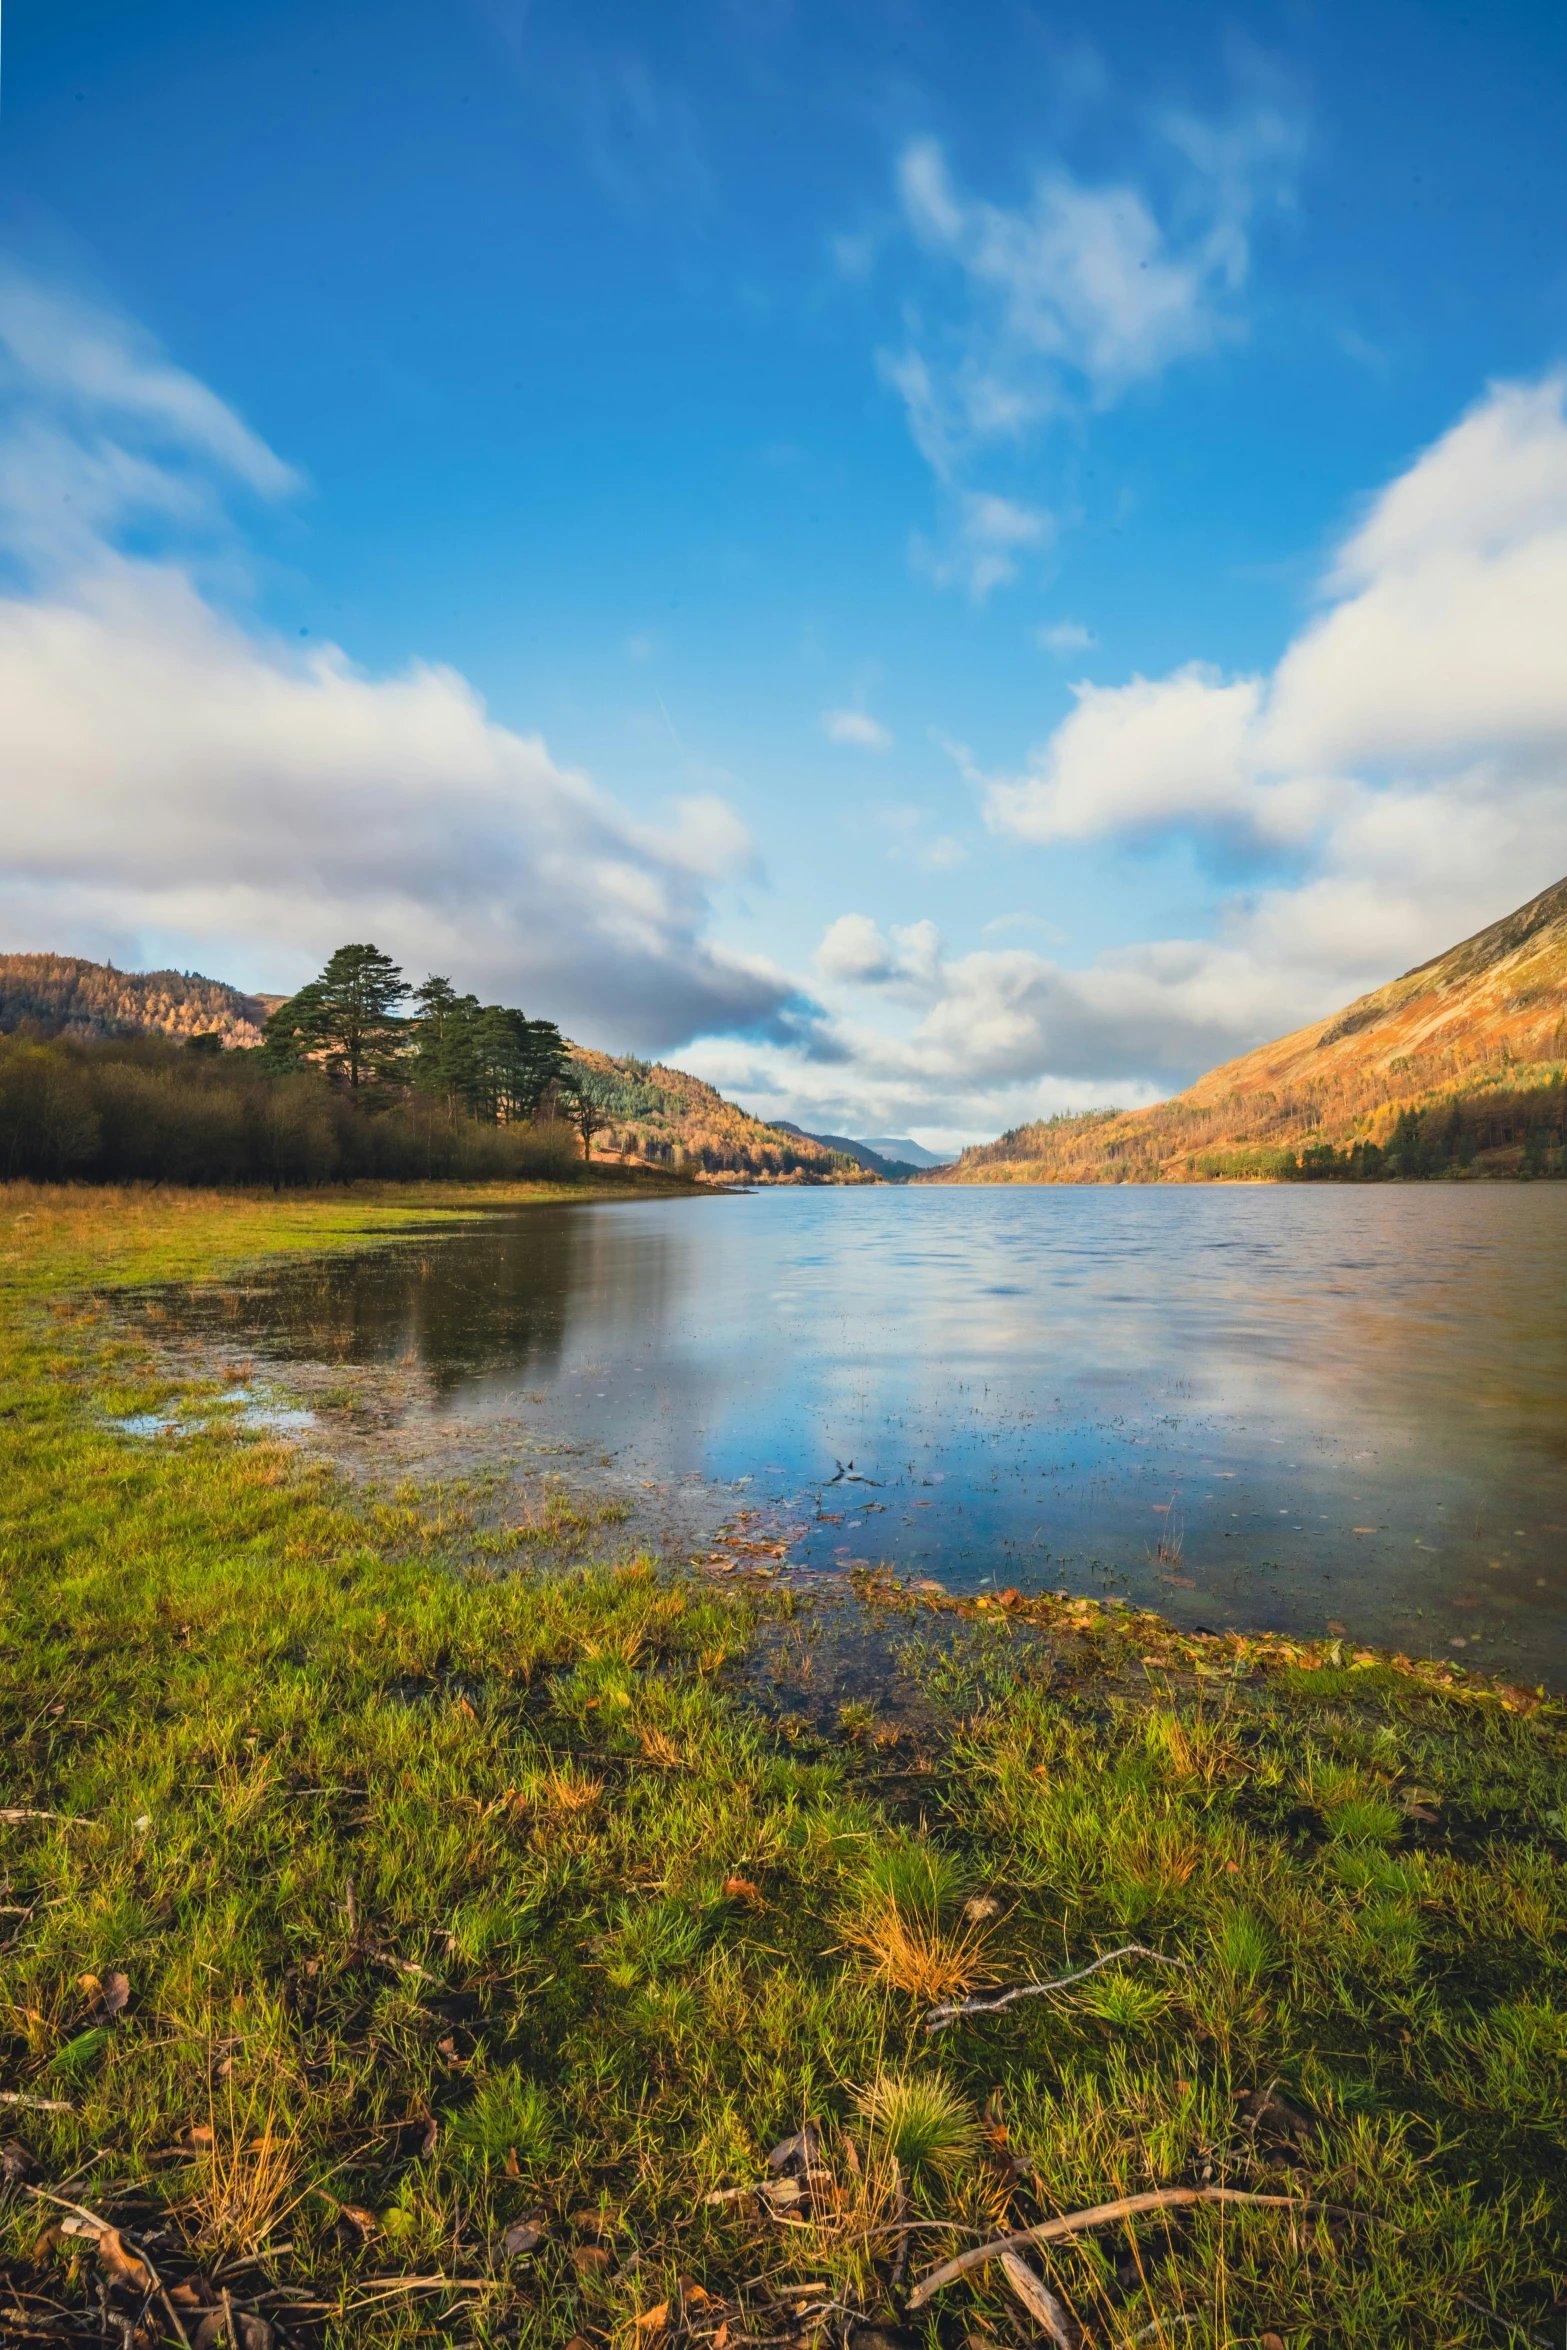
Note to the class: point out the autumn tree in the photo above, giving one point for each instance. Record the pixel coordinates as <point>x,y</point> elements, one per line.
<point>583,1111</point>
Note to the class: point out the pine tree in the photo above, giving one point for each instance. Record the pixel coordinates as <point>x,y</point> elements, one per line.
<point>345,1018</point>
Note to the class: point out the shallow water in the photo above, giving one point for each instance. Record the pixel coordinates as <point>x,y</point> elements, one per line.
<point>1301,1409</point>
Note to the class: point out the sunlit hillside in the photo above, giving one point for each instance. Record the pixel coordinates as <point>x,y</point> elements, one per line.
<point>1455,1068</point>
<point>674,1120</point>
<point>61,995</point>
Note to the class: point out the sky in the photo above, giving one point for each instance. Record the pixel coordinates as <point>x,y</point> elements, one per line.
<point>931,565</point>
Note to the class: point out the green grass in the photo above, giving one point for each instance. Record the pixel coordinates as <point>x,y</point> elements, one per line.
<point>455,1892</point>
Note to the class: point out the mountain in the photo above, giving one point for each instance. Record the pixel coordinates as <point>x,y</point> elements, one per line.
<point>863,1154</point>
<point>1456,1068</point>
<point>905,1151</point>
<point>671,1119</point>
<point>60,995</point>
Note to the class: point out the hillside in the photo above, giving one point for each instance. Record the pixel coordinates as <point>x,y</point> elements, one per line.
<point>60,995</point>
<point>1455,1068</point>
<point>674,1120</point>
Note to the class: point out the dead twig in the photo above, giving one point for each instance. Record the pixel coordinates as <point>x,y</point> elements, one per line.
<point>14,1814</point>
<point>940,2017</point>
<point>1039,2301</point>
<point>36,2104</point>
<point>1508,2325</point>
<point>1103,2215</point>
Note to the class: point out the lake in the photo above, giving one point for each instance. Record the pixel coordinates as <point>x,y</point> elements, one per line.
<point>1297,1408</point>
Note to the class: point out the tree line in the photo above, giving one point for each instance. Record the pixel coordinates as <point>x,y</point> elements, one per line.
<point>347,1082</point>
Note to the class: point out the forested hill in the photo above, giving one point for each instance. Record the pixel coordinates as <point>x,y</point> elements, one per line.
<point>1456,1068</point>
<point>674,1120</point>
<point>60,995</point>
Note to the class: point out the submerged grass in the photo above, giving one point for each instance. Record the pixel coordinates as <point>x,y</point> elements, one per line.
<point>479,1937</point>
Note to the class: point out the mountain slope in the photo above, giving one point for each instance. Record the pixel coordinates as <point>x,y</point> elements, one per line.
<point>672,1119</point>
<point>61,995</point>
<point>1457,1065</point>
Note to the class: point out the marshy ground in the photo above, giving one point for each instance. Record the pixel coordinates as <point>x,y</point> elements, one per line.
<point>423,1927</point>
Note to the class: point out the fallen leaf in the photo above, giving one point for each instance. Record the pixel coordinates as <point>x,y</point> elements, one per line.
<point>432,2132</point>
<point>15,2161</point>
<point>741,1889</point>
<point>357,2216</point>
<point>1270,2115</point>
<point>123,2266</point>
<point>250,2333</point>
<point>721,2338</point>
<point>590,2259</point>
<point>1276,2341</point>
<point>196,2292</point>
<point>524,2235</point>
<point>804,2147</point>
<point>509,2166</point>
<point>1336,1629</point>
<point>197,2139</point>
<point>652,2321</point>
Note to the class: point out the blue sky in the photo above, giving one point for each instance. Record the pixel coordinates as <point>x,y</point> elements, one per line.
<point>935,564</point>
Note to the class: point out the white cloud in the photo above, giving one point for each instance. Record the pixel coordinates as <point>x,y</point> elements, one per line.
<point>1405,763</point>
<point>856,727</point>
<point>170,770</point>
<point>1065,636</point>
<point>1431,683</point>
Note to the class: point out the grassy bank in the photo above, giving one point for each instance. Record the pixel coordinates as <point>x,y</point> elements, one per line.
<point>417,1944</point>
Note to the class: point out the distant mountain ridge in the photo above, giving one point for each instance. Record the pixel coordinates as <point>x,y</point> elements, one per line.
<point>904,1148</point>
<point>864,1154</point>
<point>1456,1067</point>
<point>64,995</point>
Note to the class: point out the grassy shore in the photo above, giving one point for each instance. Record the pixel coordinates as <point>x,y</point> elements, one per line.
<point>406,1941</point>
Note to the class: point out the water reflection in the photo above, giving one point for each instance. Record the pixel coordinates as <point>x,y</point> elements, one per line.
<point>1281,1407</point>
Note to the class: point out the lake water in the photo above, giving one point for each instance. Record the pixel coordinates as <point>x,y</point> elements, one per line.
<point>1296,1408</point>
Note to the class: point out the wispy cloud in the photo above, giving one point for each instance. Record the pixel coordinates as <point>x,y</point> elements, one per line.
<point>95,366</point>
<point>1057,304</point>
<point>857,728</point>
<point>1065,636</point>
